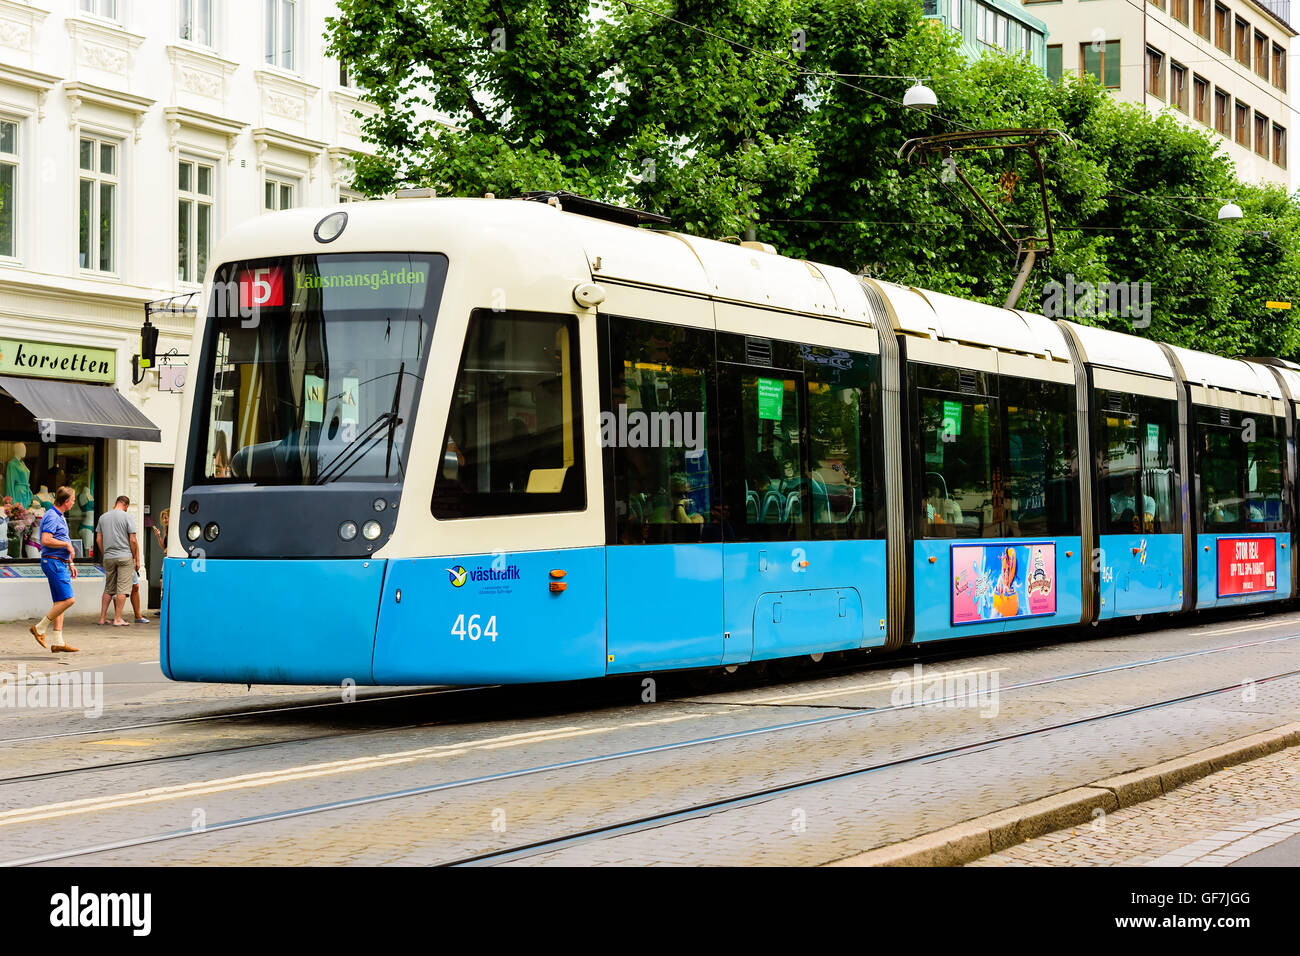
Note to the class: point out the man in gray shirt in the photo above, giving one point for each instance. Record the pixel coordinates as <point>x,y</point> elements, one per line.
<point>119,552</point>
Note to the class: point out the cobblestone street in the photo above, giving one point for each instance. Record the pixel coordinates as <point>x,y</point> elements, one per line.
<point>1224,819</point>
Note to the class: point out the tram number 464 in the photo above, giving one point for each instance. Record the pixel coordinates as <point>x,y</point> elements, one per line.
<point>473,629</point>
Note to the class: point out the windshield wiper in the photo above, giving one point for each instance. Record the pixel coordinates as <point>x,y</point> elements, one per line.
<point>363,443</point>
<point>393,420</point>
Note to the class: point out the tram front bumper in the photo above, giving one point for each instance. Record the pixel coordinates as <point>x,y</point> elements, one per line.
<point>292,621</point>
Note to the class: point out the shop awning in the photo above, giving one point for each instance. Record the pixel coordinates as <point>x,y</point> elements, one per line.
<point>80,411</point>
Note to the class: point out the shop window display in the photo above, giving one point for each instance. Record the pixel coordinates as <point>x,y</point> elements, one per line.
<point>32,472</point>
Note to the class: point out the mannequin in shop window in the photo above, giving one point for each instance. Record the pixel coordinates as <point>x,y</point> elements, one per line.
<point>81,516</point>
<point>85,507</point>
<point>46,494</point>
<point>18,477</point>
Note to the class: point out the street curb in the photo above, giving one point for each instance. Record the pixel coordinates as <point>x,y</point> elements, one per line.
<point>993,832</point>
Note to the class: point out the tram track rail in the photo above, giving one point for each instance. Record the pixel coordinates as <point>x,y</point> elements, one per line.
<point>793,700</point>
<point>711,806</point>
<point>663,818</point>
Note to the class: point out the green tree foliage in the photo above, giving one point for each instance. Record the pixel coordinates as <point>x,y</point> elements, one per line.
<point>784,117</point>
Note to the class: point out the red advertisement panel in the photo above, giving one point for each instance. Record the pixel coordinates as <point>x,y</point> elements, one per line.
<point>261,288</point>
<point>1247,565</point>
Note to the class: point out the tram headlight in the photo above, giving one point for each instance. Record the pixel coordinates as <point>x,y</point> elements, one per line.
<point>371,530</point>
<point>379,504</point>
<point>348,530</point>
<point>211,531</point>
<point>193,531</point>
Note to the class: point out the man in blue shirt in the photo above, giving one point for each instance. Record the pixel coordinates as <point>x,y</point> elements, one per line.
<point>56,562</point>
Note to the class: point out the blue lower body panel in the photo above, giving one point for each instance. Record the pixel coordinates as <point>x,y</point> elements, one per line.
<point>970,586</point>
<point>493,618</point>
<point>789,598</point>
<point>1140,574</point>
<point>270,621</point>
<point>665,606</point>
<point>1242,569</point>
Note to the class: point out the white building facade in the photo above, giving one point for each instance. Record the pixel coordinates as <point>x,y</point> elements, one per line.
<point>1219,65</point>
<point>133,133</point>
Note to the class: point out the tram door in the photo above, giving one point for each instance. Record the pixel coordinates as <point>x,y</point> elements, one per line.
<point>785,593</point>
<point>659,429</point>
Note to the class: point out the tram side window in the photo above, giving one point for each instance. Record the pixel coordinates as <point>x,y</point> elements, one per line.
<point>1263,472</point>
<point>661,387</point>
<point>514,438</point>
<point>772,455</point>
<point>1042,465</point>
<point>1139,467</point>
<point>839,461</point>
<point>1219,478</point>
<point>1125,508</point>
<point>958,435</point>
<point>1157,434</point>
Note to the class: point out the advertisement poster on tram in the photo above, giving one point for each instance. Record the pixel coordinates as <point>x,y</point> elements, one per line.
<point>1247,566</point>
<point>993,581</point>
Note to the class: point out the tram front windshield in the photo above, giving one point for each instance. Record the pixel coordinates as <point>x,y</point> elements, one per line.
<point>314,366</point>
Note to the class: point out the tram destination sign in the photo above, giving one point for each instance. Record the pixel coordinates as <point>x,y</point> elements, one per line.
<point>47,360</point>
<point>1247,566</point>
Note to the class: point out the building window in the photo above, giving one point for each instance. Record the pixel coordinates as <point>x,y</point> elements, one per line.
<point>1279,67</point>
<point>1261,134</point>
<point>1157,3</point>
<point>8,187</point>
<point>281,26</point>
<point>1279,145</point>
<point>1242,42</point>
<point>1201,99</point>
<point>1261,54</point>
<point>1201,19</point>
<point>1243,124</point>
<point>194,219</point>
<point>1055,62</point>
<point>1101,60</point>
<point>344,79</point>
<point>1178,86</point>
<point>1180,10</point>
<point>1222,28</point>
<point>1222,119</point>
<point>195,21</point>
<point>279,194</point>
<point>102,8</point>
<point>954,12</point>
<point>98,160</point>
<point>1155,72</point>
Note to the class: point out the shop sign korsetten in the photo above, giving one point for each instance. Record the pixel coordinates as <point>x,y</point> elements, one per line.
<point>47,360</point>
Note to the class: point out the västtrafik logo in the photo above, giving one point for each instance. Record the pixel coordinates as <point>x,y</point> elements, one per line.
<point>457,576</point>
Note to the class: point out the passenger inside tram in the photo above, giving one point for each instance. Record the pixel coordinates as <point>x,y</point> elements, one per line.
<point>1217,509</point>
<point>1124,508</point>
<point>942,514</point>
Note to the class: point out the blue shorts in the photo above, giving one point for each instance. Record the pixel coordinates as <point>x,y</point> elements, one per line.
<point>59,574</point>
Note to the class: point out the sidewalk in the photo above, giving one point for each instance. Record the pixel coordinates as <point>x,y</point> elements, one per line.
<point>1225,819</point>
<point>99,646</point>
<point>1208,808</point>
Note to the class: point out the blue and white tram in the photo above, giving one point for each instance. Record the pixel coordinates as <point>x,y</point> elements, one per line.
<point>461,441</point>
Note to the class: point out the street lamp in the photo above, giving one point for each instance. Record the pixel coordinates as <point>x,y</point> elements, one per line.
<point>1229,210</point>
<point>920,97</point>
